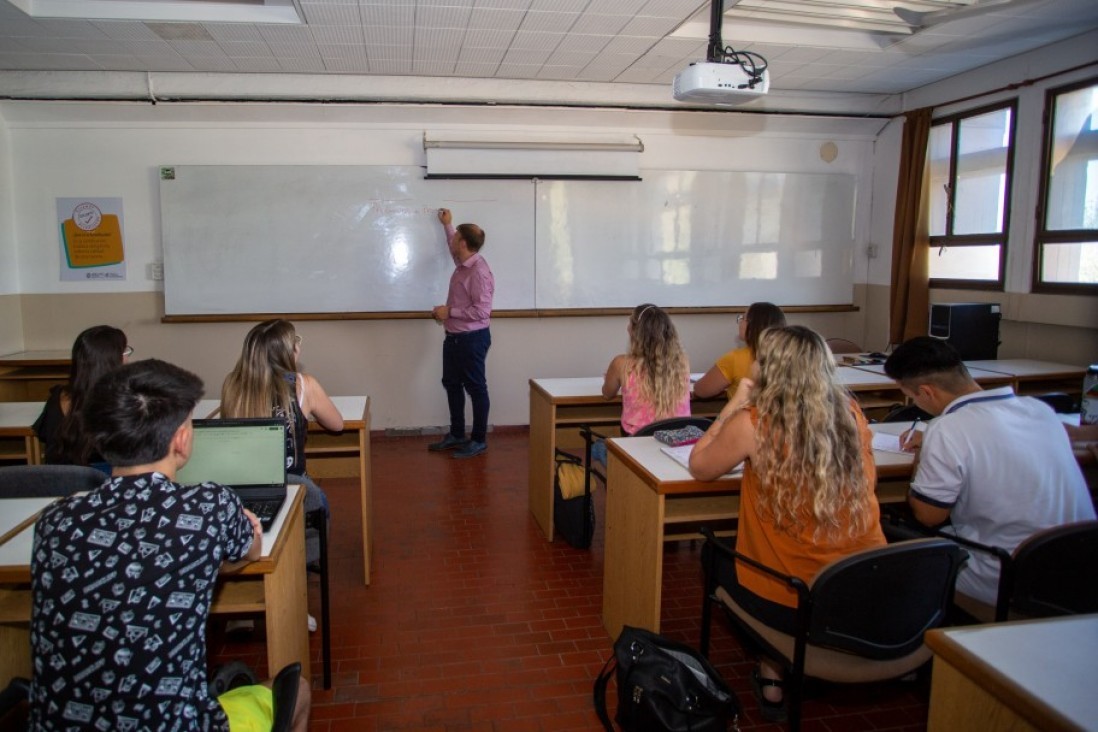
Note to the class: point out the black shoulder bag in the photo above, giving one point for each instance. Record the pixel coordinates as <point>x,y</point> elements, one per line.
<point>664,686</point>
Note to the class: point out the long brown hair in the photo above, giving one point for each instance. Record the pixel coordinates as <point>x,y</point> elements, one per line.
<point>656,356</point>
<point>258,383</point>
<point>759,317</point>
<point>808,453</point>
<point>95,352</point>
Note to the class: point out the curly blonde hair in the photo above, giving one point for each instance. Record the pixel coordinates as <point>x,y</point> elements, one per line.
<point>657,358</point>
<point>808,453</point>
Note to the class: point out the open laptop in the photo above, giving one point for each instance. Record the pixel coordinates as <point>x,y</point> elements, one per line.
<point>247,455</point>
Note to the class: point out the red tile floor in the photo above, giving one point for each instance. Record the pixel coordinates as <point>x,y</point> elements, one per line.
<point>474,622</point>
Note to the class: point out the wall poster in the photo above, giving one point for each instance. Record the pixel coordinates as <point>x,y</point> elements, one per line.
<point>91,238</point>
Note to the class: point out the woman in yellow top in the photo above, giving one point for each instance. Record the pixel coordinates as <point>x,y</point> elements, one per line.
<point>807,496</point>
<point>731,367</point>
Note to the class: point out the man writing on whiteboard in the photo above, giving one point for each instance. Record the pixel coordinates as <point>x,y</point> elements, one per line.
<point>466,317</point>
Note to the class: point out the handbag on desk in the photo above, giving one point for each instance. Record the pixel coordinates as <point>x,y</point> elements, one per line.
<point>664,686</point>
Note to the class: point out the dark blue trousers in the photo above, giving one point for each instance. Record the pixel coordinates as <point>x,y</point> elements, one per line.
<point>463,370</point>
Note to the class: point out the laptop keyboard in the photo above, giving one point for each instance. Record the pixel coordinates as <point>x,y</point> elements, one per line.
<point>264,509</point>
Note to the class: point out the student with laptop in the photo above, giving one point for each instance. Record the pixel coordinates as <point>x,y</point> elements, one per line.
<point>999,467</point>
<point>266,383</point>
<point>122,577</point>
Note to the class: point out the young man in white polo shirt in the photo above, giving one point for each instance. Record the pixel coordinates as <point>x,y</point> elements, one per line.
<point>999,467</point>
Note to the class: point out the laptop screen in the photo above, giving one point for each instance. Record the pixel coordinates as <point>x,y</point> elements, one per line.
<point>237,452</point>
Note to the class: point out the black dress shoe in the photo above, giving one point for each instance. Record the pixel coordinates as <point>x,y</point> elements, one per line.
<point>449,442</point>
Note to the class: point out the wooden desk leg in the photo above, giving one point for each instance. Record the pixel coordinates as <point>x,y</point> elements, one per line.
<point>542,443</point>
<point>633,557</point>
<point>286,600</point>
<point>15,648</point>
<point>366,496</point>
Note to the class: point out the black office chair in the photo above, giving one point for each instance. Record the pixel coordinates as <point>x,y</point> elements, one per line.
<point>673,423</point>
<point>1060,402</point>
<point>906,413</point>
<point>1053,572</point>
<point>861,618</point>
<point>576,521</point>
<point>284,688</point>
<point>35,481</point>
<point>318,521</point>
<point>842,345</point>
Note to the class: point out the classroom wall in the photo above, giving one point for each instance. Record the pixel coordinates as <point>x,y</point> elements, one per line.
<point>11,325</point>
<point>85,149</point>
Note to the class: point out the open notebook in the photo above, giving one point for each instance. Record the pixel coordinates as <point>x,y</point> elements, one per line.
<point>247,455</point>
<point>681,455</point>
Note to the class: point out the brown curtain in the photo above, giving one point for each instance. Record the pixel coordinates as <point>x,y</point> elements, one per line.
<point>909,307</point>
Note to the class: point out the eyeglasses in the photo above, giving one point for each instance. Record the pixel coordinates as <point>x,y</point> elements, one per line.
<point>127,351</point>
<point>739,318</point>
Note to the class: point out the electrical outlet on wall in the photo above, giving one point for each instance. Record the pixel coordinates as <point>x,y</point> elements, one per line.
<point>154,271</point>
<point>871,251</point>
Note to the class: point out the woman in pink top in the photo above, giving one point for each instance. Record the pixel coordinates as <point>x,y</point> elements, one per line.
<point>654,376</point>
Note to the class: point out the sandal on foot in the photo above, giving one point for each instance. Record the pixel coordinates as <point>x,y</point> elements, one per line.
<point>771,711</point>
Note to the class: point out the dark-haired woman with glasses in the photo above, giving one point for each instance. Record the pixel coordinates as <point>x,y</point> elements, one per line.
<point>95,351</point>
<point>736,364</point>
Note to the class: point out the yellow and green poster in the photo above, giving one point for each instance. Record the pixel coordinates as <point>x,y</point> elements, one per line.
<point>91,239</point>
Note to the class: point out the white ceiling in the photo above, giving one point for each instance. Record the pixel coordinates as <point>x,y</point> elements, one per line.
<point>642,42</point>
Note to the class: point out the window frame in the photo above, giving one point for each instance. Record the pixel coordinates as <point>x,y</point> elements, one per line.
<point>1001,238</point>
<point>1042,235</point>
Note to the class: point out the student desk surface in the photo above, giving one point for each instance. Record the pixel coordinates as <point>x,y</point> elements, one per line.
<point>1029,675</point>
<point>336,454</point>
<point>17,441</point>
<point>643,489</point>
<point>28,375</point>
<point>274,585</point>
<point>557,408</point>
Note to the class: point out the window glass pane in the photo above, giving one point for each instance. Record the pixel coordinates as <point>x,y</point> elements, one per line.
<point>1073,184</point>
<point>1074,263</point>
<point>937,154</point>
<point>965,263</point>
<point>982,145</point>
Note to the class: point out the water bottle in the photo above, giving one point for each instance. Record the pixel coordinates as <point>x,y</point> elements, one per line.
<point>1089,412</point>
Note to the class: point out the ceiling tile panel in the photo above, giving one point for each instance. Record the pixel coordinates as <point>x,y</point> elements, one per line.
<point>118,62</point>
<point>570,58</point>
<point>166,63</point>
<point>392,67</point>
<point>423,67</point>
<point>388,35</point>
<point>358,65</point>
<point>13,45</point>
<point>518,71</point>
<point>506,4</point>
<point>48,61</point>
<point>421,4</point>
<point>190,49</point>
<point>526,57</point>
<point>126,30</point>
<point>481,38</point>
<point>390,53</point>
<point>442,17</point>
<point>605,25</point>
<point>630,44</point>
<point>71,28</point>
<point>448,39</point>
<point>597,72</point>
<point>495,19</point>
<point>234,32</point>
<point>580,42</point>
<point>386,14</point>
<point>295,50</point>
<point>647,26</point>
<point>637,75</point>
<point>681,9</point>
<point>212,63</point>
<point>536,41</point>
<point>550,22</point>
<point>307,65</point>
<point>476,56</point>
<point>558,6</point>
<point>93,46</point>
<point>286,34</point>
<point>560,73</point>
<point>484,71</point>
<point>249,64</point>
<point>336,33</point>
<point>330,14</point>
<point>341,50</point>
<point>246,50</point>
<point>617,7</point>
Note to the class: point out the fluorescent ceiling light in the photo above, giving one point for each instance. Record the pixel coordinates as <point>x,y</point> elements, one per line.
<point>194,11</point>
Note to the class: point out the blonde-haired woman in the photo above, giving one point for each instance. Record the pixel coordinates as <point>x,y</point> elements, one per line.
<point>653,377</point>
<point>808,485</point>
<point>266,383</point>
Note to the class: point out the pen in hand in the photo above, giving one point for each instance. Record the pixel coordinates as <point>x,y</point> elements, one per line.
<point>909,439</point>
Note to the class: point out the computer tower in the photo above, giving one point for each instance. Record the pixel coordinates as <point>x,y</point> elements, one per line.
<point>970,327</point>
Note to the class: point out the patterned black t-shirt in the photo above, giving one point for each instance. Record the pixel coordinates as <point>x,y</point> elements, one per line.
<point>122,580</point>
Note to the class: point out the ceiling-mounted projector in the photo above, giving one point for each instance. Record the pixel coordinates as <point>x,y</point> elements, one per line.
<point>719,83</point>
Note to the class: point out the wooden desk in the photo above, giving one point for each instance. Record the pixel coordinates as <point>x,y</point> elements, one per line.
<point>17,441</point>
<point>28,375</point>
<point>1029,675</point>
<point>983,377</point>
<point>645,492</point>
<point>274,585</point>
<point>343,454</point>
<point>557,408</point>
<point>1036,377</point>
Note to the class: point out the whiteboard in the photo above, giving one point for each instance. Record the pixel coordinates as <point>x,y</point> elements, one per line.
<point>330,239</point>
<point>366,239</point>
<point>689,238</point>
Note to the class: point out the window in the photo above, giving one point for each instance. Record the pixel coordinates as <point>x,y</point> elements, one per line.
<point>969,161</point>
<point>1066,250</point>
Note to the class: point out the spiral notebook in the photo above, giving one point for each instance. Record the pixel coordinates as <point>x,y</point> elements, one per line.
<point>681,455</point>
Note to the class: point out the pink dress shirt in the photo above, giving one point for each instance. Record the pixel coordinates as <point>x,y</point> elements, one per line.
<point>471,289</point>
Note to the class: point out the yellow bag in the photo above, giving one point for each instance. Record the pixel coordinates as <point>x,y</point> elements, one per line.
<point>570,479</point>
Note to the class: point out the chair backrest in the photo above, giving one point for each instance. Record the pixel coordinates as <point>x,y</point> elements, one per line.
<point>878,603</point>
<point>842,345</point>
<point>1055,571</point>
<point>284,690</point>
<point>1060,402</point>
<point>906,413</point>
<point>673,423</point>
<point>31,481</point>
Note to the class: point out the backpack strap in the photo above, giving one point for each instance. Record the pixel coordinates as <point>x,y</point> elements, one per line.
<point>600,692</point>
